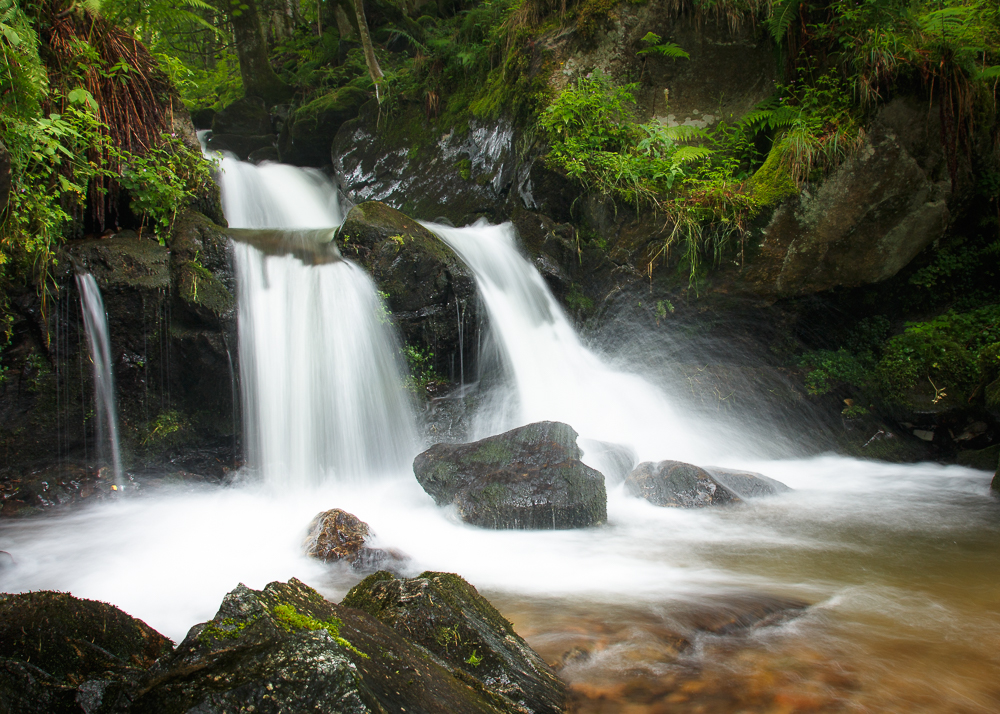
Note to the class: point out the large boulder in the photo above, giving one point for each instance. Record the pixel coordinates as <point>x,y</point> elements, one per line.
<point>337,535</point>
<point>448,616</point>
<point>459,173</point>
<point>676,484</point>
<point>529,477</point>
<point>430,292</point>
<point>862,224</point>
<point>308,134</point>
<point>247,116</point>
<point>747,484</point>
<point>286,649</point>
<point>59,653</point>
<point>241,145</point>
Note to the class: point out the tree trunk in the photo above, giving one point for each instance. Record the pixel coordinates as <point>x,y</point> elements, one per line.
<point>259,79</point>
<point>366,42</point>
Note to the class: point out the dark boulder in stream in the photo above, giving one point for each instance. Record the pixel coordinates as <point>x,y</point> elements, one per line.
<point>530,477</point>
<point>676,484</point>
<point>286,649</point>
<point>59,653</point>
<point>747,484</point>
<point>448,616</point>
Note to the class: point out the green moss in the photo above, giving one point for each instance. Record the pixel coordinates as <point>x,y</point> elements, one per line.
<point>464,168</point>
<point>198,286</point>
<point>577,301</point>
<point>167,427</point>
<point>341,101</point>
<point>290,620</point>
<point>772,183</point>
<point>495,451</point>
<point>226,629</point>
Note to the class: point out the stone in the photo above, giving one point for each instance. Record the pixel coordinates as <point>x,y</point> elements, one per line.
<point>203,118</point>
<point>461,174</point>
<point>530,477</point>
<point>308,133</point>
<point>286,649</point>
<point>266,153</point>
<point>429,291</point>
<point>865,222</point>
<point>59,653</point>
<point>747,484</point>
<point>337,535</point>
<point>247,116</point>
<point>241,145</point>
<point>679,485</point>
<point>445,614</point>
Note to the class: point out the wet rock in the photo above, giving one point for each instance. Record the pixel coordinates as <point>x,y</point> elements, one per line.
<point>530,477</point>
<point>59,653</point>
<point>203,118</point>
<point>676,484</point>
<point>447,615</point>
<point>248,116</point>
<point>337,535</point>
<point>430,292</point>
<point>241,145</point>
<point>309,131</point>
<point>727,615</point>
<point>267,153</point>
<point>286,649</point>
<point>462,174</point>
<point>865,222</point>
<point>747,484</point>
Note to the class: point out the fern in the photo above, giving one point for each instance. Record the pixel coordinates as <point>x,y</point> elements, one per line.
<point>665,49</point>
<point>782,16</point>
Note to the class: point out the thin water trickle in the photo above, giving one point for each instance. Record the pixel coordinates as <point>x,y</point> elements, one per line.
<point>95,322</point>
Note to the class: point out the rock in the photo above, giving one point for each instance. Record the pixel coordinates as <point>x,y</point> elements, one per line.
<point>59,653</point>
<point>529,477</point>
<point>448,616</point>
<point>861,225</point>
<point>241,145</point>
<point>726,615</point>
<point>461,175</point>
<point>676,484</point>
<point>746,484</point>
<point>429,290</point>
<point>983,459</point>
<point>203,118</point>
<point>337,535</point>
<point>308,132</point>
<point>248,116</point>
<point>286,649</point>
<point>267,153</point>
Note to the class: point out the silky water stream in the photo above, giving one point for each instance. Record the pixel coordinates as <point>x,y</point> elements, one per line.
<point>900,564</point>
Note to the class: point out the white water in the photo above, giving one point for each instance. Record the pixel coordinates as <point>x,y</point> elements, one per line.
<point>321,376</point>
<point>95,323</point>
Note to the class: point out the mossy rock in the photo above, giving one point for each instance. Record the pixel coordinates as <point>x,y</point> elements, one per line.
<point>984,459</point>
<point>285,648</point>
<point>124,260</point>
<point>448,616</point>
<point>679,485</point>
<point>57,651</point>
<point>529,478</point>
<point>772,183</point>
<point>427,288</point>
<point>307,135</point>
<point>198,287</point>
<point>247,116</point>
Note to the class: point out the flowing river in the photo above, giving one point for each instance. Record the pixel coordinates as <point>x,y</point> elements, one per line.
<point>653,612</point>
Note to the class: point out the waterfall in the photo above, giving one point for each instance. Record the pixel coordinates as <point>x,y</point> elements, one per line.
<point>554,376</point>
<point>95,322</point>
<point>320,366</point>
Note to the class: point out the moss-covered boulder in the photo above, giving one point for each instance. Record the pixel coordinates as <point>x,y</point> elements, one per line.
<point>448,616</point>
<point>676,484</point>
<point>59,653</point>
<point>429,291</point>
<point>286,649</point>
<point>530,477</point>
<point>337,535</point>
<point>308,134</point>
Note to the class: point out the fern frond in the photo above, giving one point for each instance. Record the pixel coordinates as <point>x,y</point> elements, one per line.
<point>685,133</point>
<point>689,154</point>
<point>783,14</point>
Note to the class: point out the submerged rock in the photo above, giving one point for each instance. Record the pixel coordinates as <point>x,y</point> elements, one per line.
<point>337,535</point>
<point>676,484</point>
<point>529,477</point>
<point>59,653</point>
<point>747,484</point>
<point>286,649</point>
<point>448,616</point>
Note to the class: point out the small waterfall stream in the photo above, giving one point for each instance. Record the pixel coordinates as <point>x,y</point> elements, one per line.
<point>321,374</point>
<point>95,321</point>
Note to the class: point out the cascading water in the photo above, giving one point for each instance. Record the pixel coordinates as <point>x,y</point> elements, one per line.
<point>319,363</point>
<point>95,322</point>
<point>555,377</point>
